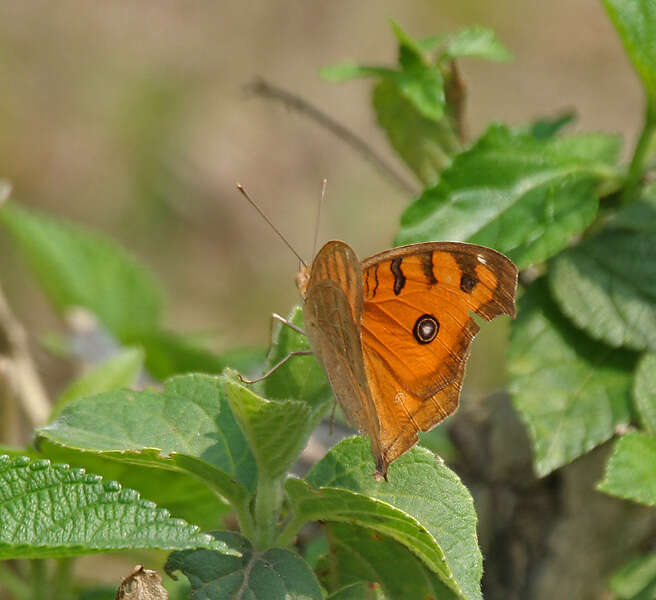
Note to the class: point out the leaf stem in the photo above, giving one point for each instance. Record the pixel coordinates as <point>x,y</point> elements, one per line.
<point>63,578</point>
<point>637,166</point>
<point>267,510</point>
<point>245,520</point>
<point>39,583</point>
<point>13,583</point>
<point>289,532</point>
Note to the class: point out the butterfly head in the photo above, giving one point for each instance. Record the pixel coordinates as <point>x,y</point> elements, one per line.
<point>303,279</point>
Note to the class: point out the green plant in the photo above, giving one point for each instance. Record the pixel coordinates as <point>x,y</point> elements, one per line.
<point>582,355</point>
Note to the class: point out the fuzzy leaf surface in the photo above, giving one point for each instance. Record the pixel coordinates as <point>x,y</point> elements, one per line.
<point>358,591</point>
<point>277,431</point>
<point>275,574</point>
<point>337,504</point>
<point>510,191</point>
<point>607,286</point>
<point>570,391</point>
<point>187,427</point>
<point>644,392</point>
<point>53,510</point>
<point>425,145</point>
<point>631,469</point>
<point>358,554</point>
<point>421,486</point>
<point>179,491</point>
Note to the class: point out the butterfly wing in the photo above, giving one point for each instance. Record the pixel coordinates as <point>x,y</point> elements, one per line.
<point>333,312</point>
<point>417,328</point>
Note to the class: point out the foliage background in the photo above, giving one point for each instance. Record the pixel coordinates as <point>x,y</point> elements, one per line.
<point>132,118</point>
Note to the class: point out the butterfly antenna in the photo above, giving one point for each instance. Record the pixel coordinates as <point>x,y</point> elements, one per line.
<point>259,210</point>
<point>324,184</point>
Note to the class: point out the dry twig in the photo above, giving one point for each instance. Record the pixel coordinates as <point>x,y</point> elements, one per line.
<point>264,89</point>
<point>20,385</point>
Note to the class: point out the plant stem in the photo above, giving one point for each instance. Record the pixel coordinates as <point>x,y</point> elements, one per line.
<point>287,535</point>
<point>245,520</point>
<point>39,583</point>
<point>14,584</point>
<point>63,578</point>
<point>267,509</point>
<point>637,166</point>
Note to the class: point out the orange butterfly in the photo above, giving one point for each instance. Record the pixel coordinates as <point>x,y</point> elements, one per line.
<point>393,331</point>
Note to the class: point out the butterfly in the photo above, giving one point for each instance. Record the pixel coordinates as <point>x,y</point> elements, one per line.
<point>393,331</point>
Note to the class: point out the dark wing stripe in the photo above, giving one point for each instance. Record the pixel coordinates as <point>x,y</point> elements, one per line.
<point>376,280</point>
<point>399,277</point>
<point>427,265</point>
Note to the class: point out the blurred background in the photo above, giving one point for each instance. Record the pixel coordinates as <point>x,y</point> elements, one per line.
<point>132,118</point>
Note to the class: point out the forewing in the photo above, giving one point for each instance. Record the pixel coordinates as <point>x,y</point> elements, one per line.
<point>333,312</point>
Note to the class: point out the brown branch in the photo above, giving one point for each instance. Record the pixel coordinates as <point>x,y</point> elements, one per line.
<point>20,384</point>
<point>264,89</point>
<point>19,373</point>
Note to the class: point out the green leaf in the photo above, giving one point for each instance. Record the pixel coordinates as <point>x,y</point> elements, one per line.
<point>189,427</point>
<point>525,197</point>
<point>631,469</point>
<point>607,286</point>
<point>635,22</point>
<point>421,486</point>
<point>411,55</point>
<point>425,145</point>
<point>410,104</point>
<point>334,504</point>
<point>97,593</point>
<point>358,554</point>
<point>424,88</point>
<point>432,41</point>
<point>349,70</point>
<point>119,371</point>
<point>182,493</point>
<point>53,510</point>
<point>547,127</point>
<point>76,267</point>
<point>475,41</point>
<point>570,391</point>
<point>644,392</point>
<point>301,377</point>
<point>639,215</point>
<point>277,431</point>
<point>358,591</point>
<point>274,574</point>
<point>636,579</point>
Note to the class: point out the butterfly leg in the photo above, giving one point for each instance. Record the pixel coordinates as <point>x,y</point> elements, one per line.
<point>277,366</point>
<point>296,328</point>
